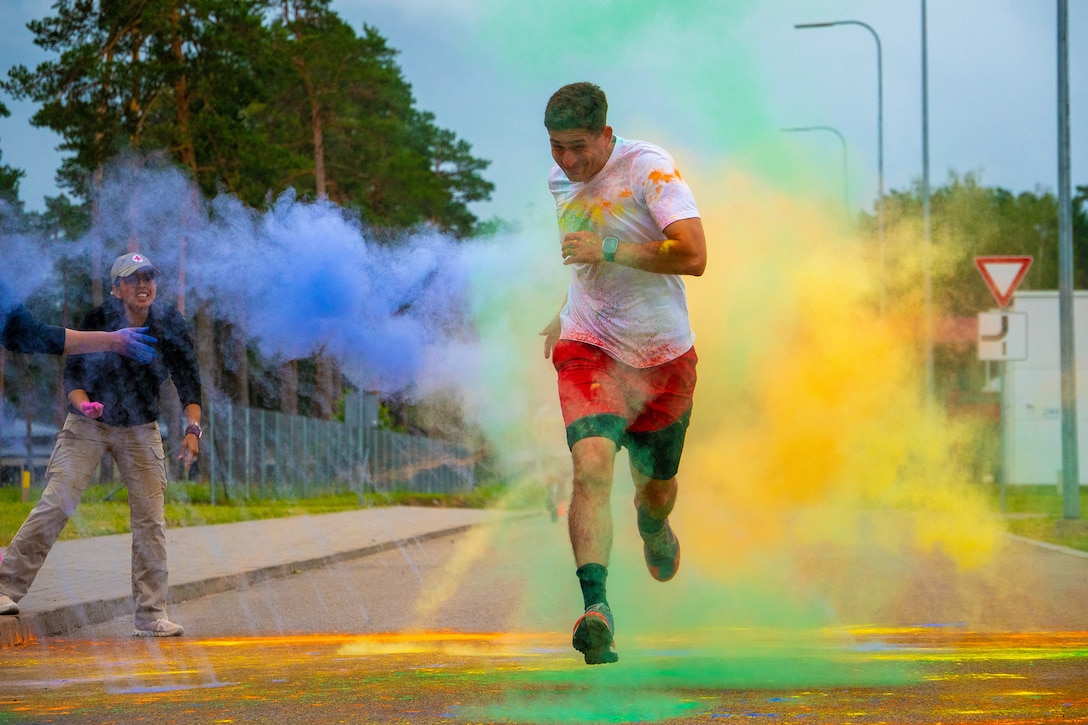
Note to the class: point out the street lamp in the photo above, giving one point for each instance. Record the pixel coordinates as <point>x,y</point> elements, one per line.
<point>845,183</point>
<point>879,139</point>
<point>927,260</point>
<point>1066,331</point>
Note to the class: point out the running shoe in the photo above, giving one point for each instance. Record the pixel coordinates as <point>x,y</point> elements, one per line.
<point>662,552</point>
<point>159,628</point>
<point>593,635</point>
<point>7,605</point>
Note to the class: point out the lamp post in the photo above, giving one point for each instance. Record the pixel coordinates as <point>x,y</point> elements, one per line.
<point>928,248</point>
<point>845,182</point>
<point>1066,333</point>
<point>879,140</point>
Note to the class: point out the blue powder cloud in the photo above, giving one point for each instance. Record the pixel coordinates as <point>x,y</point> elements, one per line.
<point>298,278</point>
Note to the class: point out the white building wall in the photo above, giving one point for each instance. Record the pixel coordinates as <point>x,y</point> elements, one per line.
<point>1031,393</point>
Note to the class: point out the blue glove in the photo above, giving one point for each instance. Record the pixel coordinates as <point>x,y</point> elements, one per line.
<point>137,345</point>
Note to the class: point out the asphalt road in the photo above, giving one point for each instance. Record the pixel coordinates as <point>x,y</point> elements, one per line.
<point>475,628</point>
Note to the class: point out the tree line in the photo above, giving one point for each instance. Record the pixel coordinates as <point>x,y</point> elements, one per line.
<point>252,97</point>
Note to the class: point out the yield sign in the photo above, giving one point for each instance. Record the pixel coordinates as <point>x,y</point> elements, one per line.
<point>1003,275</point>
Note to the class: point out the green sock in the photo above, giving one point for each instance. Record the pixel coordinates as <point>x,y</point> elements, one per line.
<point>648,524</point>
<point>592,577</point>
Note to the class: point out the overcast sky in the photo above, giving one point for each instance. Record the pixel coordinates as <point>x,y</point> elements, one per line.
<point>714,81</point>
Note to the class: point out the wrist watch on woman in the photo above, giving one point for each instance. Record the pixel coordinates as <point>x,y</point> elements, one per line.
<point>194,429</point>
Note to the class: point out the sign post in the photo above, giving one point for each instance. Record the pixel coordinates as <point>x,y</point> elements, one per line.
<point>1003,335</point>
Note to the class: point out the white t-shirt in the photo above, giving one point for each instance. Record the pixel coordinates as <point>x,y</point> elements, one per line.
<point>640,318</point>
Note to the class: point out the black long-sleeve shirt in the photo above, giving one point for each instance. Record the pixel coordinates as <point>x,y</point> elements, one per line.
<point>21,332</point>
<point>129,390</point>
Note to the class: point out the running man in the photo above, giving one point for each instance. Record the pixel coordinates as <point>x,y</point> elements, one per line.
<point>622,344</point>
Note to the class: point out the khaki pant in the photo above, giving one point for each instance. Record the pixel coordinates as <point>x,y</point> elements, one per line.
<point>79,448</point>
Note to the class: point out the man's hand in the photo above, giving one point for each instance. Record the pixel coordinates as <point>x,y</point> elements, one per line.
<point>190,446</point>
<point>682,251</point>
<point>133,343</point>
<point>551,336</point>
<point>91,410</point>
<point>582,248</point>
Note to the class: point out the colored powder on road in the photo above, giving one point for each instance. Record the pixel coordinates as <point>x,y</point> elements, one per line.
<point>488,677</point>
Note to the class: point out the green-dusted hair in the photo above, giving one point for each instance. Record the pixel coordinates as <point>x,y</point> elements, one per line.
<point>577,106</point>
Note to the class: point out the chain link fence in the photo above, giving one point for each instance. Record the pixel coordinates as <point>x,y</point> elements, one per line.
<point>251,454</point>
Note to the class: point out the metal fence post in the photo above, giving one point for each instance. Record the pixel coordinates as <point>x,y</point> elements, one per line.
<point>306,468</point>
<point>230,450</point>
<point>276,455</point>
<point>247,471</point>
<point>261,451</point>
<point>211,447</point>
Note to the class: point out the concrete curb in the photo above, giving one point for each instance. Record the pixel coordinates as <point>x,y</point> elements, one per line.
<point>1048,546</point>
<point>22,629</point>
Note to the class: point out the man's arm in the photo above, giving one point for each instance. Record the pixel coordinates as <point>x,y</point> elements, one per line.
<point>683,251</point>
<point>551,331</point>
<point>130,342</point>
<point>23,333</point>
<point>179,354</point>
<point>81,402</point>
<point>190,443</point>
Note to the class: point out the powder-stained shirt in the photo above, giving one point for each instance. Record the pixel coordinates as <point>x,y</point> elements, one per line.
<point>638,317</point>
<point>127,389</point>
<point>21,332</point>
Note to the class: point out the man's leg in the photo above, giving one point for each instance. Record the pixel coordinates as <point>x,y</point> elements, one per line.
<point>594,413</point>
<point>590,522</point>
<point>590,515</point>
<point>654,501</point>
<point>655,442</point>
<point>76,454</point>
<point>140,458</point>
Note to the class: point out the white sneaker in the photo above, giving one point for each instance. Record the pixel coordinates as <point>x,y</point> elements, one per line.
<point>7,606</point>
<point>160,628</point>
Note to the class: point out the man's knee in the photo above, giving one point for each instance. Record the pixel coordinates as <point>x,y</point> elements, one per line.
<point>593,464</point>
<point>655,494</point>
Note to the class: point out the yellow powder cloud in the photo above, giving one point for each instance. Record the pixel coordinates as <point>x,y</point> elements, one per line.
<point>810,412</point>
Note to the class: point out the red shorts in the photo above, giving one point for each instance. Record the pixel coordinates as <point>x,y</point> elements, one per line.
<point>645,410</point>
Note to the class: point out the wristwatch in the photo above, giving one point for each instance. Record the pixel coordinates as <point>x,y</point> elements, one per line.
<point>194,429</point>
<point>611,244</point>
